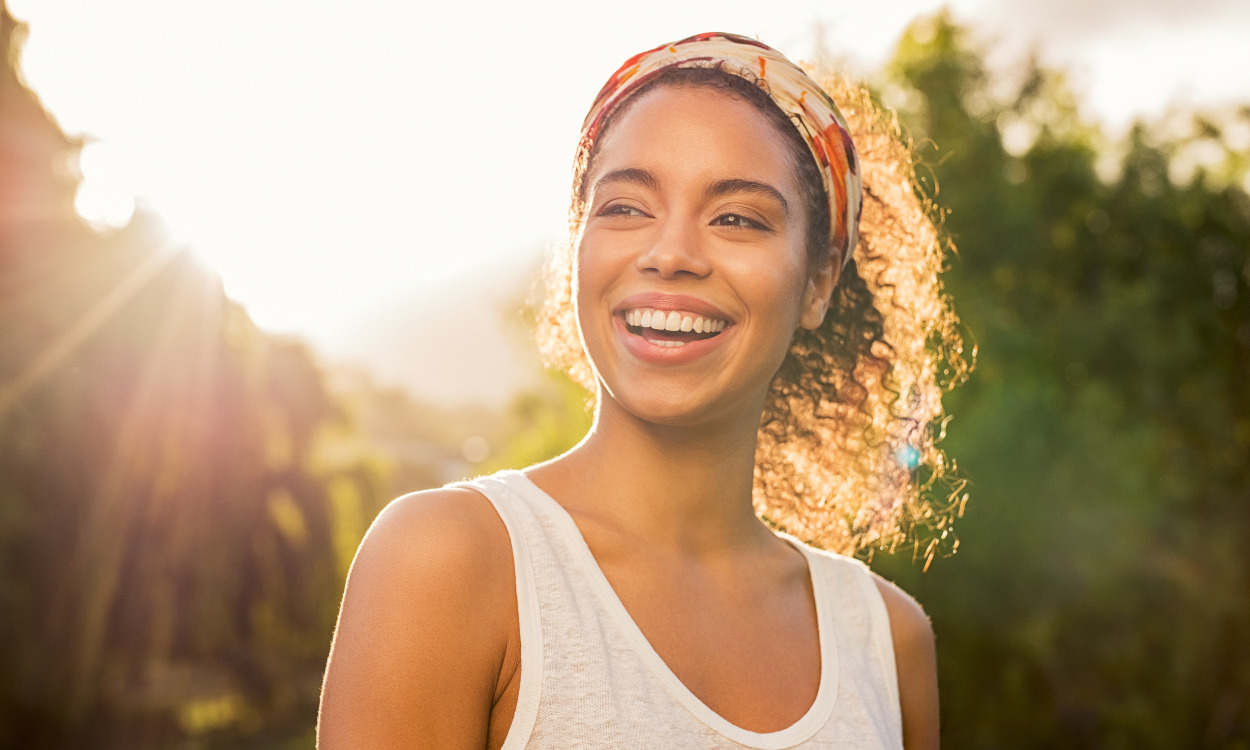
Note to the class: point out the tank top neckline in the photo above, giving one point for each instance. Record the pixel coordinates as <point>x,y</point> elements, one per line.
<point>801,730</point>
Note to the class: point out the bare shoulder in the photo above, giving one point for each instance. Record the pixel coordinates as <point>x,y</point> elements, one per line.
<point>915,658</point>
<point>909,625</point>
<point>448,542</point>
<point>445,527</point>
<point>424,629</point>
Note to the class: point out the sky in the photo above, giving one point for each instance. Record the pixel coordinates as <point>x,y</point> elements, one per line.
<point>332,160</point>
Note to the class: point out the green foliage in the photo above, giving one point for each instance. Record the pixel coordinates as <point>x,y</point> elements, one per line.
<point>1101,593</point>
<point>166,514</point>
<point>543,423</point>
<point>181,493</point>
<point>174,482</point>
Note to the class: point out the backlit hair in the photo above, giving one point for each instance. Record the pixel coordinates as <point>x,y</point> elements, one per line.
<point>847,455</point>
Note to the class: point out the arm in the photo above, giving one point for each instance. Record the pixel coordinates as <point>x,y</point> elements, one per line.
<point>427,628</point>
<point>915,658</point>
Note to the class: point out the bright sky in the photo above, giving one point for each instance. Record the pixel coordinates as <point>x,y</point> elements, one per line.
<point>327,156</point>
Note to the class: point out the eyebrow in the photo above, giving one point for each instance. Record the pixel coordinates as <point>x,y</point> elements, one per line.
<point>630,175</point>
<point>720,188</point>
<point>728,187</point>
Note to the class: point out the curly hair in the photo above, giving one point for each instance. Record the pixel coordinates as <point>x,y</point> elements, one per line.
<point>847,454</point>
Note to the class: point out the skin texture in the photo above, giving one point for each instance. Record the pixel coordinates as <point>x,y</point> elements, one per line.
<point>692,197</point>
<point>426,653</point>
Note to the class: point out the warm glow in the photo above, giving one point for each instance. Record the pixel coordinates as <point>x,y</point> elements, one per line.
<point>329,160</point>
<point>105,199</point>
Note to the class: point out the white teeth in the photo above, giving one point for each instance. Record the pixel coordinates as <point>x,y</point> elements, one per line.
<point>672,321</point>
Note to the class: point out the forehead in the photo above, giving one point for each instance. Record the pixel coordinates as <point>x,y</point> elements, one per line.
<point>695,129</point>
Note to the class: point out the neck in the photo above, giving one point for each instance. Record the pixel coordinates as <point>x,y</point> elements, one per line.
<point>688,487</point>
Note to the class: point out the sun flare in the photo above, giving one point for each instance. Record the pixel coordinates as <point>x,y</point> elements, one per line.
<point>105,199</point>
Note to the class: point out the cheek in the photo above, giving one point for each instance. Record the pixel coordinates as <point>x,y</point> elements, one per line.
<point>590,278</point>
<point>583,277</point>
<point>579,285</point>
<point>595,265</point>
<point>775,288</point>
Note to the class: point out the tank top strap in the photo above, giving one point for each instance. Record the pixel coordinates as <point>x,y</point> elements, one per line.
<point>524,533</point>
<point>591,681</point>
<point>864,626</point>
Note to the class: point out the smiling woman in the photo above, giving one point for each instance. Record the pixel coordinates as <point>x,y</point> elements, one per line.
<point>761,364</point>
<point>701,184</point>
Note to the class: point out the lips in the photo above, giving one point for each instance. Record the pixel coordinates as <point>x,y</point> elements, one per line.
<point>670,328</point>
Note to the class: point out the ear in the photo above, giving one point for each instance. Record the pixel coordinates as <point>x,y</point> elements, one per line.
<point>820,283</point>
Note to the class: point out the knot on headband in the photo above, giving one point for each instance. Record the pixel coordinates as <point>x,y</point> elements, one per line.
<point>812,111</point>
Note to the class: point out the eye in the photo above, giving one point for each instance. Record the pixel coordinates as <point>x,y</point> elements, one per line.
<point>620,209</point>
<point>738,221</point>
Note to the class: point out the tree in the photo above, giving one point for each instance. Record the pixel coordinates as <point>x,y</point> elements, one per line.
<point>174,490</point>
<point>1101,593</point>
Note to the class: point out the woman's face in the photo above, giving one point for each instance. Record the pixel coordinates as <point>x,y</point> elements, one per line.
<point>692,273</point>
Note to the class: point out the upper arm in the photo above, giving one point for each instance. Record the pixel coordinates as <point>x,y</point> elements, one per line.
<point>915,658</point>
<point>423,629</point>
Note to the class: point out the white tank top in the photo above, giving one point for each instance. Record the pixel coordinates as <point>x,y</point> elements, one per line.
<point>591,681</point>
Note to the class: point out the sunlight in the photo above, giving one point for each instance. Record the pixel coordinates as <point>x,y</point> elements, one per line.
<point>63,346</point>
<point>327,189</point>
<point>105,199</point>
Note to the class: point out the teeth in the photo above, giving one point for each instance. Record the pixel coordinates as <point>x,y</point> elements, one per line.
<point>672,321</point>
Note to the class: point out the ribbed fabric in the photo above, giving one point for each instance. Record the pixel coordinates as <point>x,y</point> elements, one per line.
<point>591,681</point>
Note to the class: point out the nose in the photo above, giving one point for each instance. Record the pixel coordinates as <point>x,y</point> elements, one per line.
<point>674,250</point>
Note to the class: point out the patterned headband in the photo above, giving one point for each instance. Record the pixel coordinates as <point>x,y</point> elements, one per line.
<point>813,113</point>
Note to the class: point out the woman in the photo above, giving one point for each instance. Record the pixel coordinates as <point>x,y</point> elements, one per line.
<point>749,353</point>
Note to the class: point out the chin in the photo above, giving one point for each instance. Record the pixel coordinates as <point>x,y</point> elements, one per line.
<point>682,409</point>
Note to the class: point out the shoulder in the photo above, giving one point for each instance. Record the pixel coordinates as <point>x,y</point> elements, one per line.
<point>442,552</point>
<point>915,655</point>
<point>446,527</point>
<point>426,630</point>
<point>915,659</point>
<point>452,534</point>
<point>909,625</point>
<point>431,558</point>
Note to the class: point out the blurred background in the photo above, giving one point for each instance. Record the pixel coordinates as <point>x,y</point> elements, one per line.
<point>266,266</point>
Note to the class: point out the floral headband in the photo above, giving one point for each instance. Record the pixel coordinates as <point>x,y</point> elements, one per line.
<point>811,110</point>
